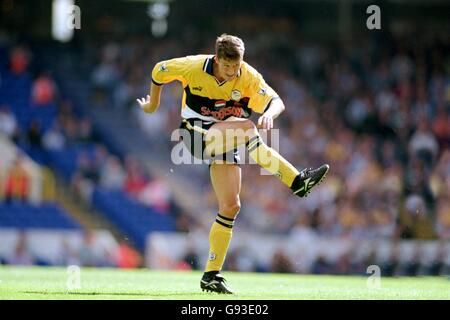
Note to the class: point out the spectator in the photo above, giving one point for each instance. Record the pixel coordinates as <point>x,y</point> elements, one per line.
<point>302,233</point>
<point>85,132</point>
<point>34,134</point>
<point>19,60</point>
<point>85,178</point>
<point>90,254</point>
<point>68,255</point>
<point>17,182</point>
<point>112,175</point>
<point>442,226</point>
<point>156,194</point>
<point>105,75</point>
<point>410,267</point>
<point>22,254</point>
<point>100,157</point>
<point>281,262</point>
<point>44,90</point>
<point>389,266</point>
<point>135,180</point>
<point>423,144</point>
<point>192,259</point>
<point>321,266</point>
<point>127,257</point>
<point>70,129</point>
<point>53,138</point>
<point>441,128</point>
<point>415,220</point>
<point>441,265</point>
<point>8,122</point>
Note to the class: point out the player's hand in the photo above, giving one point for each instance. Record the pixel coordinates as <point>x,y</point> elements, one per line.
<point>144,103</point>
<point>265,122</point>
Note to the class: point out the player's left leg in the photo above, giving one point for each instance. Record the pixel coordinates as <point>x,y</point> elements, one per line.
<point>226,181</point>
<point>227,135</point>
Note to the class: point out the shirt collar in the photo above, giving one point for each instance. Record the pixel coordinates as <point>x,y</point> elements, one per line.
<point>208,66</point>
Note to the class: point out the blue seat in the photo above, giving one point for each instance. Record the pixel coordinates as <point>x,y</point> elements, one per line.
<point>28,216</point>
<point>132,218</point>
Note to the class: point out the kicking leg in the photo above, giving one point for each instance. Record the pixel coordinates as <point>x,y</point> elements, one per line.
<point>225,136</point>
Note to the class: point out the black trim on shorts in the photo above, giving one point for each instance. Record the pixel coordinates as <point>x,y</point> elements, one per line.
<point>197,137</point>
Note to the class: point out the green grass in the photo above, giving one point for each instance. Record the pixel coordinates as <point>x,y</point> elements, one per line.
<point>51,283</point>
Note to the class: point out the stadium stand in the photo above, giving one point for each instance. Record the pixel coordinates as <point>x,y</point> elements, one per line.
<point>376,107</point>
<point>37,114</point>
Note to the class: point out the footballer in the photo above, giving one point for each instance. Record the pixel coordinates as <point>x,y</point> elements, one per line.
<point>220,93</point>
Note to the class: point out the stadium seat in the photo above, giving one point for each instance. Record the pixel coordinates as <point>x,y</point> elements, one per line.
<point>47,216</point>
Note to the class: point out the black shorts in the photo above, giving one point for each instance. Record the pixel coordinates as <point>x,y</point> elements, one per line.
<point>196,129</point>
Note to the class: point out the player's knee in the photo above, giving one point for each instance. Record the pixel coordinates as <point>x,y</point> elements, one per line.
<point>230,209</point>
<point>249,129</point>
<point>248,125</point>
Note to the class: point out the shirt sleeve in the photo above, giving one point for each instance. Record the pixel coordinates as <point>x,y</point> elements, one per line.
<point>170,70</point>
<point>260,94</point>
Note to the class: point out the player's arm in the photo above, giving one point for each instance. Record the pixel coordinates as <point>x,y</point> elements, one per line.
<point>163,72</point>
<point>150,103</point>
<point>263,99</point>
<point>273,110</point>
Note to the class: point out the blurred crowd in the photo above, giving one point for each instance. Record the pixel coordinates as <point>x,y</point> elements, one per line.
<point>68,130</point>
<point>347,264</point>
<point>90,252</point>
<point>25,122</point>
<point>303,255</point>
<point>377,110</point>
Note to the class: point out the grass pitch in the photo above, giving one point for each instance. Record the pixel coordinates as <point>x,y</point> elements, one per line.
<point>95,283</point>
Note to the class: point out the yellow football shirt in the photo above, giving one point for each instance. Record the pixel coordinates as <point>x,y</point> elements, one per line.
<point>207,99</point>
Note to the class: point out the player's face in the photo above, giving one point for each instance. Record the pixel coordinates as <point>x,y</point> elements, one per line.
<point>228,69</point>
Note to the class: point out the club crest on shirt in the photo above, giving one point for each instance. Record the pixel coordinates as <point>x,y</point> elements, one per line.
<point>236,95</point>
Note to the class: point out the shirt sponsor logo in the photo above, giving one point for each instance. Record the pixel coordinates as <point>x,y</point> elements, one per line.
<point>222,113</point>
<point>220,104</point>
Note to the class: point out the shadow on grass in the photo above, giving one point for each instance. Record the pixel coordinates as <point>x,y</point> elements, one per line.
<point>115,293</point>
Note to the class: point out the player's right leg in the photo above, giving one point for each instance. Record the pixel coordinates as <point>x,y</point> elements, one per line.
<point>227,135</point>
<point>226,182</point>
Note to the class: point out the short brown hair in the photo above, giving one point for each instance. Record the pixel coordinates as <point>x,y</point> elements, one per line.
<point>229,47</point>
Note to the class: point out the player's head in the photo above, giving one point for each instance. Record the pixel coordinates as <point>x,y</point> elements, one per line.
<point>229,47</point>
<point>229,54</point>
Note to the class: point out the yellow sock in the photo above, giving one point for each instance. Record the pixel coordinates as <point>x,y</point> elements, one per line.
<point>219,240</point>
<point>271,160</point>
